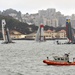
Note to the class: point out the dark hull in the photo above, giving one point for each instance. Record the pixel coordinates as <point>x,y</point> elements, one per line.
<point>7,42</point>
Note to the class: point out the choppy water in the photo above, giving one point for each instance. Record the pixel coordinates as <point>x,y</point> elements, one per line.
<point>25,58</point>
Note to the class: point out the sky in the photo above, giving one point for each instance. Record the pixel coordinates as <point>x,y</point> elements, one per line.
<point>66,7</point>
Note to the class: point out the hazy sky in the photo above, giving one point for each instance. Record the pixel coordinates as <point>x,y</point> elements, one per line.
<point>66,7</point>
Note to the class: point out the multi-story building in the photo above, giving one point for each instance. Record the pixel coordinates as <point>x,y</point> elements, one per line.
<point>16,35</point>
<point>51,22</point>
<point>47,17</point>
<point>73,20</point>
<point>49,34</point>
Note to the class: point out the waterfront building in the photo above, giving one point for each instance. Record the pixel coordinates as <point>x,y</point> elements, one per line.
<point>16,35</point>
<point>49,34</point>
<point>61,34</point>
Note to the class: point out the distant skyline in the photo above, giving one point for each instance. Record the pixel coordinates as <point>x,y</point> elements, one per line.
<point>66,7</point>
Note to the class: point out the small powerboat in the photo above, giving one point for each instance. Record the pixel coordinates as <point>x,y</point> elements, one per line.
<point>60,61</point>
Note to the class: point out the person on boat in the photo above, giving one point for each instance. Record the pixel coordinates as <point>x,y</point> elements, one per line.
<point>67,57</point>
<point>57,42</point>
<point>74,59</point>
<point>47,58</point>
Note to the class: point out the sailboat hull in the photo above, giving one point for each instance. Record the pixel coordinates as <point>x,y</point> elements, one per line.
<point>7,42</point>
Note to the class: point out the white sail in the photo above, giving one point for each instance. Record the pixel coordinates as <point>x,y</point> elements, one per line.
<point>37,35</point>
<point>40,33</point>
<point>8,35</point>
<point>5,32</point>
<point>3,29</point>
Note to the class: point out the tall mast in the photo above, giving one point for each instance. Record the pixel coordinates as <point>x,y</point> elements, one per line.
<point>41,32</point>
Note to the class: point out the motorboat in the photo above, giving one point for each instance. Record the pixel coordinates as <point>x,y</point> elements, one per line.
<point>61,61</point>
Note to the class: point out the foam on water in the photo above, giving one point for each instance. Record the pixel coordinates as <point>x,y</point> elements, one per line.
<point>25,58</point>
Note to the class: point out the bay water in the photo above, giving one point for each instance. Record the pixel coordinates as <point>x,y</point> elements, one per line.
<point>25,57</point>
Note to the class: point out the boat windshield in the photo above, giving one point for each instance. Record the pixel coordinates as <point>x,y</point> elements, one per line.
<point>73,59</point>
<point>56,58</point>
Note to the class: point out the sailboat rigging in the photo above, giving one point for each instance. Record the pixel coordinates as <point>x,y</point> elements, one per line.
<point>40,34</point>
<point>5,33</point>
<point>69,32</point>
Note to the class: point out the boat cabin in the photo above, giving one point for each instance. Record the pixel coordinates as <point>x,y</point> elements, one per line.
<point>65,58</point>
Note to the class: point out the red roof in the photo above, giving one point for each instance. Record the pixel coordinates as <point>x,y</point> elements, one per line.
<point>49,31</point>
<point>62,31</point>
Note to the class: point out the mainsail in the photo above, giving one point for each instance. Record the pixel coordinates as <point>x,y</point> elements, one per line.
<point>69,31</point>
<point>3,28</point>
<point>5,32</point>
<point>40,33</point>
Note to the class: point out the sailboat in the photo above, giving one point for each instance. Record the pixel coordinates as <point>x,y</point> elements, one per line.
<point>40,34</point>
<point>69,32</point>
<point>5,33</point>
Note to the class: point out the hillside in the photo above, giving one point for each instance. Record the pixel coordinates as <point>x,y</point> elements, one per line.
<point>13,24</point>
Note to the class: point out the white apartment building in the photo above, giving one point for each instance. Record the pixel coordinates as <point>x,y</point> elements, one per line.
<point>49,13</point>
<point>51,22</point>
<point>48,17</point>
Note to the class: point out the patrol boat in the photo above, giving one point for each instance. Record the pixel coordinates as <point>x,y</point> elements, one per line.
<point>61,61</point>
